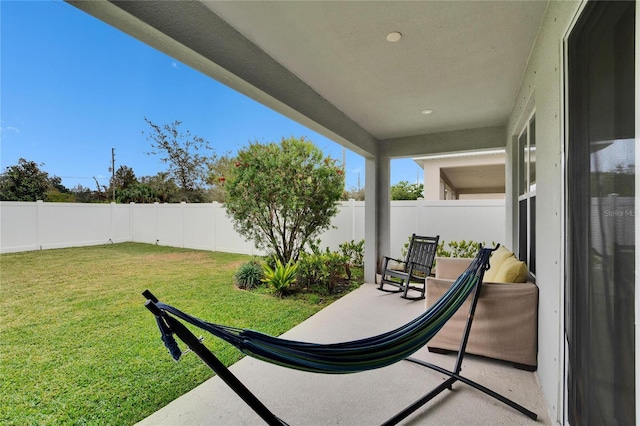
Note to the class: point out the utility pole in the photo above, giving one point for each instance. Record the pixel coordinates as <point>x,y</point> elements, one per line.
<point>113,173</point>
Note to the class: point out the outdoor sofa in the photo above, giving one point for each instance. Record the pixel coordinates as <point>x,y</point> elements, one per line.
<point>505,325</point>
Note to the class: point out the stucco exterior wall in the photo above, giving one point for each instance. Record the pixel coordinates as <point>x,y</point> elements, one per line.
<point>542,90</point>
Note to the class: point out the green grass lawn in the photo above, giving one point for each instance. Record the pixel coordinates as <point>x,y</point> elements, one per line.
<point>77,345</point>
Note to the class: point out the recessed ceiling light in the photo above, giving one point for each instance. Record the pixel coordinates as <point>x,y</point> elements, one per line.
<point>394,36</point>
<point>426,111</point>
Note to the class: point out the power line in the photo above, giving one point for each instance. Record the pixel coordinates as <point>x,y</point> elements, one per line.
<point>83,177</point>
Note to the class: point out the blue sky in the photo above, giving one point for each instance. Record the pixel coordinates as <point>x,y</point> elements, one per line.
<point>72,88</point>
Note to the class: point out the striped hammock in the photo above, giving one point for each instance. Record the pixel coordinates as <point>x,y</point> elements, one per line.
<point>346,357</point>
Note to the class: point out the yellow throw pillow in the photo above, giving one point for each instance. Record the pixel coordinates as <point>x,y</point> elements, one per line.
<point>512,271</point>
<point>495,262</point>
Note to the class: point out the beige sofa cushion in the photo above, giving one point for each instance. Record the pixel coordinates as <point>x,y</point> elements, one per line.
<point>451,268</point>
<point>495,262</point>
<point>512,270</point>
<point>515,271</point>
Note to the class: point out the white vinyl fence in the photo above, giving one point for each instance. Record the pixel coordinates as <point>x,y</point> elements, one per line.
<point>26,226</point>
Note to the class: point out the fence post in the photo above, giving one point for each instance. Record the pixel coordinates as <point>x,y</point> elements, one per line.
<point>39,214</point>
<point>155,211</point>
<point>420,227</point>
<point>214,216</point>
<point>352,208</point>
<point>112,229</point>
<point>183,213</point>
<point>132,206</point>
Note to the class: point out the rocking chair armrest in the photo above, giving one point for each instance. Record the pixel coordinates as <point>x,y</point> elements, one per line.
<point>421,264</point>
<point>385,264</point>
<point>387,258</point>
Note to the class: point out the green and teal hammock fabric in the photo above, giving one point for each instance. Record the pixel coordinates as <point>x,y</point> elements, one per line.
<point>346,357</point>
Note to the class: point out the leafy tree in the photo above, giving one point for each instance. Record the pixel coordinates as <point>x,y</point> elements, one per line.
<point>219,169</point>
<point>58,193</point>
<point>25,182</point>
<point>283,195</point>
<point>55,196</point>
<point>123,178</point>
<point>404,190</point>
<point>621,181</point>
<point>180,151</point>
<point>137,193</point>
<point>83,194</point>
<point>353,193</point>
<point>164,186</point>
<point>56,185</point>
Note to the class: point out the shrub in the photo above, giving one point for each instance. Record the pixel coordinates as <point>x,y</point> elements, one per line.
<point>281,277</point>
<point>249,275</point>
<point>322,269</point>
<point>282,195</point>
<point>311,270</point>
<point>337,265</point>
<point>462,248</point>
<point>354,252</point>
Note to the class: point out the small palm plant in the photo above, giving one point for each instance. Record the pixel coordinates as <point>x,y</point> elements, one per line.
<point>280,277</point>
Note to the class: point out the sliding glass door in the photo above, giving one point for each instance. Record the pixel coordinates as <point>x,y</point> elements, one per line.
<point>600,217</point>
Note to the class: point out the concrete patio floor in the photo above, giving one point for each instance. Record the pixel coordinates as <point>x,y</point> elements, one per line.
<point>366,398</point>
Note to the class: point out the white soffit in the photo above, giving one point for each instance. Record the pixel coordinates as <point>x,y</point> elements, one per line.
<point>462,59</point>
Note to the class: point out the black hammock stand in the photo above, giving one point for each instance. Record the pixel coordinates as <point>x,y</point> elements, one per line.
<point>337,358</point>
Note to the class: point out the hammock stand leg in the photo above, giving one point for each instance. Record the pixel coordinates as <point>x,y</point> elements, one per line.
<point>455,376</point>
<point>223,372</point>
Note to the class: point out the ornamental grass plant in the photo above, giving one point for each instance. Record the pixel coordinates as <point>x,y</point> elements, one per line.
<point>78,346</point>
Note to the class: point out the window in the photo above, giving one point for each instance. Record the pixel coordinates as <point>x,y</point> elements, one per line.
<point>527,194</point>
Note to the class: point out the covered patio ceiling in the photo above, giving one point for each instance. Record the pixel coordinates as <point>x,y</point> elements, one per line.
<point>330,66</point>
<point>480,179</point>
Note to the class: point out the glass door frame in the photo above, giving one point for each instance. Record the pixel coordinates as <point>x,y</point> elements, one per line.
<point>637,216</point>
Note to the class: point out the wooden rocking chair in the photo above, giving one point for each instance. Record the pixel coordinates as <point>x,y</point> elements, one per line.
<point>411,273</point>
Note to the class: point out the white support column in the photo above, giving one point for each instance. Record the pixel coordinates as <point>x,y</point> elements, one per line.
<point>432,186</point>
<point>377,214</point>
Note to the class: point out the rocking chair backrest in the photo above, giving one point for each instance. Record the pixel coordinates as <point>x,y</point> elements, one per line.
<point>422,253</point>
